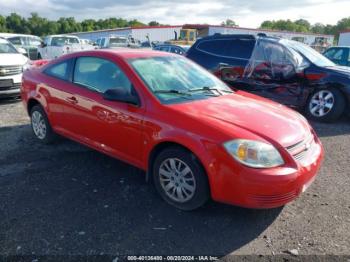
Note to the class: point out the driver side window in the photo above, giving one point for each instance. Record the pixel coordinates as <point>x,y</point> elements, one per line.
<point>271,61</point>
<point>99,75</point>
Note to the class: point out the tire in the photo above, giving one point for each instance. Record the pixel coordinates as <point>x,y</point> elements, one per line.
<point>186,175</point>
<point>325,105</point>
<point>40,125</point>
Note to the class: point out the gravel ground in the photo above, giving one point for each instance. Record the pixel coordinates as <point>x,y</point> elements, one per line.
<point>65,199</point>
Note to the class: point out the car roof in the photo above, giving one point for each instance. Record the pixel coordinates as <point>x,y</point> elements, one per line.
<point>239,36</point>
<point>73,36</point>
<point>126,53</point>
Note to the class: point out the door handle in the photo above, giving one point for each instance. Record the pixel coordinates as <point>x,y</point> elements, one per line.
<point>72,100</point>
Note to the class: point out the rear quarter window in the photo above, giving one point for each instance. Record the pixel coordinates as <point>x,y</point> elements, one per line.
<point>230,48</point>
<point>60,70</point>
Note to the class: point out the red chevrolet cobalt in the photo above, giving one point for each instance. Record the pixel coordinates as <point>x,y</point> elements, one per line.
<point>194,136</point>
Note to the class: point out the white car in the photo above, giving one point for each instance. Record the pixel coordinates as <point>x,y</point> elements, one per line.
<point>12,64</point>
<point>56,45</point>
<point>117,41</point>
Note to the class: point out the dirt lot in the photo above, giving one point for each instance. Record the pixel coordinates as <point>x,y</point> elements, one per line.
<point>66,199</point>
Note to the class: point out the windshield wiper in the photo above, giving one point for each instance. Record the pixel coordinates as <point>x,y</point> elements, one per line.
<point>206,88</point>
<point>185,95</point>
<point>171,91</point>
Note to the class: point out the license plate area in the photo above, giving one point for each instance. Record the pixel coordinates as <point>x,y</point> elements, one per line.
<point>6,83</point>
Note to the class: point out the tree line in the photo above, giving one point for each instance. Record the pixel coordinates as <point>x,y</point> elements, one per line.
<point>37,25</point>
<point>305,26</point>
<point>40,26</point>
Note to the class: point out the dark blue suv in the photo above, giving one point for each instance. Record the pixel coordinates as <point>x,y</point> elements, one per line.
<point>285,71</point>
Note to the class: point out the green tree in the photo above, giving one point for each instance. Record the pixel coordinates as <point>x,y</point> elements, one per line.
<point>343,24</point>
<point>304,25</point>
<point>135,23</point>
<point>318,28</point>
<point>3,27</point>
<point>153,23</point>
<point>16,23</point>
<point>229,22</point>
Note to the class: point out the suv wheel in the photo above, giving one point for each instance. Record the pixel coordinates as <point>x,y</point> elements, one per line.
<point>180,179</point>
<point>325,105</point>
<point>40,125</point>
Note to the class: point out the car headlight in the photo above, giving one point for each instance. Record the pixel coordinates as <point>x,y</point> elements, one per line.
<point>26,66</point>
<point>254,153</point>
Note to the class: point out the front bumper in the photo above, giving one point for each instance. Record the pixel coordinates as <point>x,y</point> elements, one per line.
<point>10,86</point>
<point>264,188</point>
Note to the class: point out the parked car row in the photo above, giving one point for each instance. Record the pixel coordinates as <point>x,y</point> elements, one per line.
<point>55,46</point>
<point>194,136</point>
<point>117,41</point>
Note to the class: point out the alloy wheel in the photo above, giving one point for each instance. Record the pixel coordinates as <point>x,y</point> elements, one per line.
<point>321,103</point>
<point>177,180</point>
<point>39,125</point>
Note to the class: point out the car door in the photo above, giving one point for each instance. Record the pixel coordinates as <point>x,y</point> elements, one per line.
<point>110,126</point>
<point>338,55</point>
<point>57,79</point>
<point>272,73</point>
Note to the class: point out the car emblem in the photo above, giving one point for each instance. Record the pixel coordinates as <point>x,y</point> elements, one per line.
<point>3,71</point>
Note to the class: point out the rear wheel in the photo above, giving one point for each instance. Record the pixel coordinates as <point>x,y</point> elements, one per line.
<point>180,179</point>
<point>325,105</point>
<point>41,126</point>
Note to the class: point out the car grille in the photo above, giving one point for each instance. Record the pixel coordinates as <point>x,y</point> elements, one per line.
<point>10,70</point>
<point>301,149</point>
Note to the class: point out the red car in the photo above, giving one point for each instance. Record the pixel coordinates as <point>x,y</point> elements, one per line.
<point>194,136</point>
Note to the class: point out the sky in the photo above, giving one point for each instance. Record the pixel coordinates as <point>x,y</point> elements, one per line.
<point>245,13</point>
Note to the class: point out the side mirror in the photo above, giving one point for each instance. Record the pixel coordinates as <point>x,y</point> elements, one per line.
<point>22,50</point>
<point>121,96</point>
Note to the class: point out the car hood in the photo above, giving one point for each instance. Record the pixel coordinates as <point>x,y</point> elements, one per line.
<point>269,120</point>
<point>344,70</point>
<point>12,59</point>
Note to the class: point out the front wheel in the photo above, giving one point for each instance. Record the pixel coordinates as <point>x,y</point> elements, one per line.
<point>41,126</point>
<point>325,105</point>
<point>180,179</point>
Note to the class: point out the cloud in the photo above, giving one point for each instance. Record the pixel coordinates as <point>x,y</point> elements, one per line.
<point>245,13</point>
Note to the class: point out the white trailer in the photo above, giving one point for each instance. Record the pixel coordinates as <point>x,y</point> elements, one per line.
<point>344,38</point>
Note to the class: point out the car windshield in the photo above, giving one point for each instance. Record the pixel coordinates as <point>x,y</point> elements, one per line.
<point>59,41</point>
<point>311,54</point>
<point>175,79</point>
<point>34,41</point>
<point>7,48</point>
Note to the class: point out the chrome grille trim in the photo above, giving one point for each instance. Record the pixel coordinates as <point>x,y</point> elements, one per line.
<point>10,70</point>
<point>301,149</point>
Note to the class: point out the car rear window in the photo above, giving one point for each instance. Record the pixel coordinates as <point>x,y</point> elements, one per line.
<point>232,48</point>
